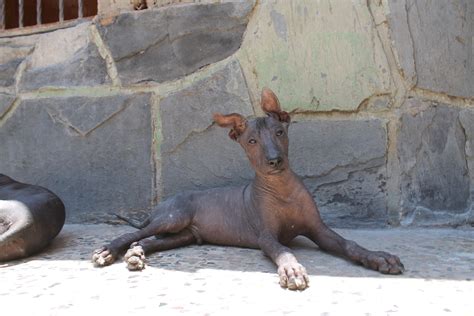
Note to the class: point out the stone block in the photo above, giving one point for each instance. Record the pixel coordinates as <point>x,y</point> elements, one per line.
<point>65,58</point>
<point>206,160</point>
<point>357,200</point>
<point>94,153</point>
<point>168,43</point>
<point>12,53</point>
<point>8,72</point>
<point>434,41</point>
<point>6,102</point>
<point>316,55</point>
<point>113,7</point>
<point>466,117</point>
<point>342,163</point>
<point>195,153</point>
<point>435,179</point>
<point>379,103</point>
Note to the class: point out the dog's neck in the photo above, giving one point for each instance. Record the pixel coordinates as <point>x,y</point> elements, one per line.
<point>282,185</point>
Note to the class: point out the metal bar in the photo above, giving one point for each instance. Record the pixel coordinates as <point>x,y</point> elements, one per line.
<point>80,9</point>
<point>2,14</point>
<point>20,13</point>
<point>61,11</point>
<point>38,12</point>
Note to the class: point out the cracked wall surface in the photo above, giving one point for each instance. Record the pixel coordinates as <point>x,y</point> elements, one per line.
<point>435,175</point>
<point>93,152</point>
<point>114,114</point>
<point>435,41</point>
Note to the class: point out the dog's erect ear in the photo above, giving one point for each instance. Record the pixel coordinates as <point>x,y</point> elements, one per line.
<point>271,106</point>
<point>236,122</point>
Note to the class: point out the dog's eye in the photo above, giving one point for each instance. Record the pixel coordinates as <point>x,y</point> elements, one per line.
<point>279,133</point>
<point>252,141</point>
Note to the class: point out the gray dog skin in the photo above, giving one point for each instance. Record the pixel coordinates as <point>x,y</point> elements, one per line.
<point>265,214</point>
<point>30,217</point>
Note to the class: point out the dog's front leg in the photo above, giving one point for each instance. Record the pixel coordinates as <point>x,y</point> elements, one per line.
<point>328,240</point>
<point>292,274</point>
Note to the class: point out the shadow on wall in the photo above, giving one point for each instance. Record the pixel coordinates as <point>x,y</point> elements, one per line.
<point>49,11</point>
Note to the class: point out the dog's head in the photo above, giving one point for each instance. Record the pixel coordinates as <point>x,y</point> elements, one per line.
<point>264,139</point>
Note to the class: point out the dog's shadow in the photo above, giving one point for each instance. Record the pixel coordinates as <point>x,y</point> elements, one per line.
<point>71,244</point>
<point>77,243</point>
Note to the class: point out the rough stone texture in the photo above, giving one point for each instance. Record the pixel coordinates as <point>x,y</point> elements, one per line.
<point>6,101</point>
<point>94,153</point>
<point>316,55</point>
<point>435,180</point>
<point>196,154</point>
<point>434,41</point>
<point>343,165</point>
<point>335,56</point>
<point>64,58</point>
<point>112,7</point>
<point>12,53</point>
<point>168,43</point>
<point>379,103</point>
<point>466,118</point>
<point>7,72</point>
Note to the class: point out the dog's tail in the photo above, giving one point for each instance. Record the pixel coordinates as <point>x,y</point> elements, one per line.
<point>132,222</point>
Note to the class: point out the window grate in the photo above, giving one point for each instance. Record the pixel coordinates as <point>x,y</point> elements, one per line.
<point>18,14</point>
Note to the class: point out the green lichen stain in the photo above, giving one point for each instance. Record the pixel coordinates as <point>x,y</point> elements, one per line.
<point>330,60</point>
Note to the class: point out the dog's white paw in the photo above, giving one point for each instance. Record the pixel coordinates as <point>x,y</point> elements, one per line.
<point>102,257</point>
<point>135,258</point>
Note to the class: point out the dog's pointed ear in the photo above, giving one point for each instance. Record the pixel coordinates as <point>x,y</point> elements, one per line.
<point>236,122</point>
<point>270,105</point>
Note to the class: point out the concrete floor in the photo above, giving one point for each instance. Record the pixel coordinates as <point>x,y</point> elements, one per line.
<point>211,280</point>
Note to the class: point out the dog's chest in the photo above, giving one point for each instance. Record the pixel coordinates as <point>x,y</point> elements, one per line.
<point>287,217</point>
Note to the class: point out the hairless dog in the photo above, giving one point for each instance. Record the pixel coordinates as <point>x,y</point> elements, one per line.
<point>267,213</point>
<point>30,217</point>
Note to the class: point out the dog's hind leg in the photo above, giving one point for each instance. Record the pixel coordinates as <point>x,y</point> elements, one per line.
<point>167,221</point>
<point>135,256</point>
<point>132,223</point>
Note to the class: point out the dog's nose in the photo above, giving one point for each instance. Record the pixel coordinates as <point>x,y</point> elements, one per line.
<point>275,162</point>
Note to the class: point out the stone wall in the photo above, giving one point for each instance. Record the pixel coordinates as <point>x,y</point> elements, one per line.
<point>114,114</point>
